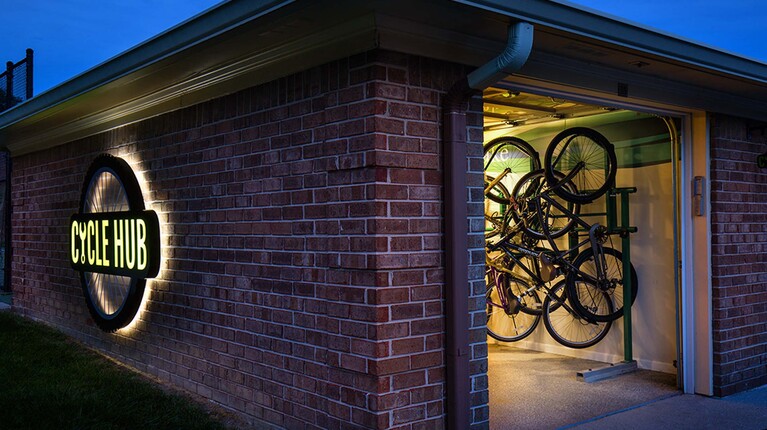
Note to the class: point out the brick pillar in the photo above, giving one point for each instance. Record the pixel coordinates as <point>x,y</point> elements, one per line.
<point>738,248</point>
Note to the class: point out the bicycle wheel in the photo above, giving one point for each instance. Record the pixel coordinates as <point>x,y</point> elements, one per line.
<point>583,300</point>
<point>497,201</point>
<point>511,318</point>
<point>511,153</point>
<point>584,156</point>
<point>558,222</point>
<point>568,327</point>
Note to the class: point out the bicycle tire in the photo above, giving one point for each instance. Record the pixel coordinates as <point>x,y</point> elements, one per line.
<point>496,216</point>
<point>591,154</point>
<point>566,326</point>
<point>558,223</point>
<point>499,193</point>
<point>512,153</point>
<point>511,322</point>
<point>613,286</point>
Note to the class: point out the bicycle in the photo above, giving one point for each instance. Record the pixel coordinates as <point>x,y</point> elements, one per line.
<point>593,278</point>
<point>514,307</point>
<point>598,264</point>
<point>541,215</point>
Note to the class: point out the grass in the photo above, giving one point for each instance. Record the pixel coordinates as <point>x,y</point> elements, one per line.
<point>48,381</point>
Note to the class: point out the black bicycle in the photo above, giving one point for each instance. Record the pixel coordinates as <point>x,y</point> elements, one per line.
<point>514,306</point>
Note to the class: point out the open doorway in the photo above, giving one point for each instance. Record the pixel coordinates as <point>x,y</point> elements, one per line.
<point>536,346</point>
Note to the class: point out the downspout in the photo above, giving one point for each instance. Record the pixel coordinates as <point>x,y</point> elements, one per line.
<point>457,345</point>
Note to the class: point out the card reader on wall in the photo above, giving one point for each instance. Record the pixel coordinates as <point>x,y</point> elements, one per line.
<point>698,191</point>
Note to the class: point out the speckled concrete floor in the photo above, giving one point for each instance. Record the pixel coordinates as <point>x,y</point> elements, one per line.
<point>537,390</point>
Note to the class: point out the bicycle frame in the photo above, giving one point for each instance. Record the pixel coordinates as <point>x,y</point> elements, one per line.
<point>593,240</point>
<point>508,249</point>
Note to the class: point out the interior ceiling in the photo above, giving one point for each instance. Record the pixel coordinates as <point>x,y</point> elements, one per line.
<point>506,108</point>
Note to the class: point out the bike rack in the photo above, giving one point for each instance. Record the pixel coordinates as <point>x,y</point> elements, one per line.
<point>623,229</point>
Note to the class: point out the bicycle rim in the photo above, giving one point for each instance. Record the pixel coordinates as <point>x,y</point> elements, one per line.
<point>511,153</point>
<point>566,326</point>
<point>613,287</point>
<point>584,156</point>
<point>557,222</point>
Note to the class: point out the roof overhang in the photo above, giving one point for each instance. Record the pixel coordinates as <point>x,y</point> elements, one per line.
<point>587,50</point>
<point>240,44</point>
<point>587,24</point>
<point>233,46</point>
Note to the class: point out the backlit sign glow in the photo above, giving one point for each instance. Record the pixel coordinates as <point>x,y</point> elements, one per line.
<point>114,242</point>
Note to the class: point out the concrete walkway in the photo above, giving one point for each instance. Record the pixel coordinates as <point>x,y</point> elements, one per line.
<point>743,411</point>
<point>532,390</point>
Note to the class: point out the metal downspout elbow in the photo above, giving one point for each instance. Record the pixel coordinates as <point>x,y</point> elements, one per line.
<point>513,57</point>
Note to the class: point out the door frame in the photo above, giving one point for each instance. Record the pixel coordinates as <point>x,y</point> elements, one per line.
<point>693,284</point>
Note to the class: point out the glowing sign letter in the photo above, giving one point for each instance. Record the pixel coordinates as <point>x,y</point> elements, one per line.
<point>104,242</point>
<point>75,252</point>
<point>141,258</point>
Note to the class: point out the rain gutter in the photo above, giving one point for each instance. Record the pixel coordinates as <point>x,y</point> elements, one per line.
<point>196,30</point>
<point>576,19</point>
<point>457,346</point>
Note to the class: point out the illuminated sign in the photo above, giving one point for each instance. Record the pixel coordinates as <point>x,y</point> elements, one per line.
<point>114,242</point>
<point>118,243</point>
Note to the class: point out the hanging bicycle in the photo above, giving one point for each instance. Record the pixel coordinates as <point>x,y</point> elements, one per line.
<point>581,305</point>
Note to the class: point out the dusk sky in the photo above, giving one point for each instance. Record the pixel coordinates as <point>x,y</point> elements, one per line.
<point>736,26</point>
<point>72,36</point>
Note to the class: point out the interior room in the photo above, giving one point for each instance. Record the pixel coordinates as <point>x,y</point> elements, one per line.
<point>530,371</point>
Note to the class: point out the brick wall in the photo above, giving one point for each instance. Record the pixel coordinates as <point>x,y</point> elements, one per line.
<point>739,256</point>
<point>303,279</point>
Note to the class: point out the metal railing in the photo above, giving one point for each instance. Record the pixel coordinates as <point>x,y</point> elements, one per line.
<point>16,82</point>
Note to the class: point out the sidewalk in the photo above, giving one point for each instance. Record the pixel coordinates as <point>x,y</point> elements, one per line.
<point>744,411</point>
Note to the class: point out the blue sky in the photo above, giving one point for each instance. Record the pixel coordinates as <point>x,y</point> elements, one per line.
<point>72,36</point>
<point>736,26</point>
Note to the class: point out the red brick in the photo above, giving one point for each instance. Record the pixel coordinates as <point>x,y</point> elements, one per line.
<point>296,211</point>
<point>407,346</point>
<point>387,91</point>
<point>409,380</point>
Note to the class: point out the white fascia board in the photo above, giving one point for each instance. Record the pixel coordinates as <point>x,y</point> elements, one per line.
<point>271,62</point>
